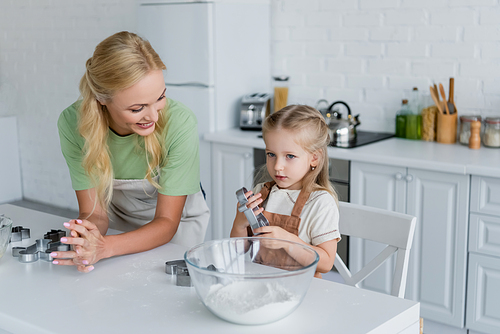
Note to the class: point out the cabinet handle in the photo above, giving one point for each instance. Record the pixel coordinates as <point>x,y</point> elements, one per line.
<point>399,176</point>
<point>409,178</point>
<point>247,155</point>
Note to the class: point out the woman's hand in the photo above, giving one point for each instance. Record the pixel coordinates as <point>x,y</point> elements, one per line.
<point>88,244</point>
<point>241,223</point>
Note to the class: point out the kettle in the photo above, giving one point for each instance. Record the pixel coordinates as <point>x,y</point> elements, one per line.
<point>342,131</point>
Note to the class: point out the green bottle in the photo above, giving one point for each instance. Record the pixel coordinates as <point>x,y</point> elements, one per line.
<point>401,119</point>
<point>414,117</point>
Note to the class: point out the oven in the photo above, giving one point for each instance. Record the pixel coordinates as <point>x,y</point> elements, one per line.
<point>339,171</point>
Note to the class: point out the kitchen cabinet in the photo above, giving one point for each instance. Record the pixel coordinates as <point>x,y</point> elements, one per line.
<point>437,267</point>
<point>483,286</point>
<point>232,168</point>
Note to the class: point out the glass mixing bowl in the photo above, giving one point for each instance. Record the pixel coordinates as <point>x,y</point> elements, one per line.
<point>251,281</point>
<point>5,232</point>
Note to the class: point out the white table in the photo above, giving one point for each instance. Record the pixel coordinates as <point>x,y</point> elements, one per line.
<point>132,294</point>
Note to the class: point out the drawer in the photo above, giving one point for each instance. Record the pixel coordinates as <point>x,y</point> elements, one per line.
<point>484,234</point>
<point>483,294</point>
<point>485,195</point>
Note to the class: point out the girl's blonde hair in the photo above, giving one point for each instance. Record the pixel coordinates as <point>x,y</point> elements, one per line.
<point>312,135</point>
<point>118,62</point>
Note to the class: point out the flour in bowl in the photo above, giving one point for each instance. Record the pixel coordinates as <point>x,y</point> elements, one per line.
<point>251,302</point>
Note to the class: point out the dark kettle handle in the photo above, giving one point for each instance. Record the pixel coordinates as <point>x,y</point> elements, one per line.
<point>340,102</point>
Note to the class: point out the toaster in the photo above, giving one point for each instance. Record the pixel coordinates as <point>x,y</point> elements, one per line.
<point>254,109</point>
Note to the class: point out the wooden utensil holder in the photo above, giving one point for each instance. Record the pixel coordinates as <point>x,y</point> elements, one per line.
<point>447,128</point>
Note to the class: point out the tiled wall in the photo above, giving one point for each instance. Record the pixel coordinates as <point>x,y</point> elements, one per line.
<point>369,53</point>
<point>43,48</point>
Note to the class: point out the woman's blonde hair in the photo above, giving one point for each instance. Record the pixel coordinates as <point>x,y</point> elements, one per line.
<point>312,135</point>
<point>118,62</point>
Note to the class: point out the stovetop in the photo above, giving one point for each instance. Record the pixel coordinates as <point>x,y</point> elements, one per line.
<point>365,137</point>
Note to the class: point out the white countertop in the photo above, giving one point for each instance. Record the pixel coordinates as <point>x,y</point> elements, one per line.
<point>132,294</point>
<point>454,158</point>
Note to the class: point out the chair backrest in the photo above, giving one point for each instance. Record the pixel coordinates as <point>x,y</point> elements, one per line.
<point>394,229</point>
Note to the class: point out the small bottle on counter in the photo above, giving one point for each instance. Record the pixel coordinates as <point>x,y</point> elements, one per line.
<point>475,137</point>
<point>465,123</point>
<point>401,119</point>
<point>491,135</point>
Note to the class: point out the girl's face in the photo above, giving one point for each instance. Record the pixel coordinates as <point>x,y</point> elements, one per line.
<point>287,162</point>
<point>135,109</point>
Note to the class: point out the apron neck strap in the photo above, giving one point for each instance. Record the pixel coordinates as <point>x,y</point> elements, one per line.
<point>266,189</point>
<point>299,204</point>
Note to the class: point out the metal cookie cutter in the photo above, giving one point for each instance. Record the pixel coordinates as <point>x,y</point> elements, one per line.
<point>41,249</point>
<point>19,233</point>
<point>255,221</point>
<point>179,269</point>
<point>54,235</point>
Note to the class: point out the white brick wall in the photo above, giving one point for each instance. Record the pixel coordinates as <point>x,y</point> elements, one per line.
<point>43,48</point>
<point>369,53</point>
<point>376,51</point>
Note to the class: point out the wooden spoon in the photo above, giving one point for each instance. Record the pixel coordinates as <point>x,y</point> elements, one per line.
<point>451,103</point>
<point>435,98</point>
<point>437,92</point>
<point>443,95</point>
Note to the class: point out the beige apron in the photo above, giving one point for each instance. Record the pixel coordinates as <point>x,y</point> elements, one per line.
<point>134,205</point>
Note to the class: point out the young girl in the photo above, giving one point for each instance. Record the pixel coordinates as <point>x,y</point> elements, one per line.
<point>299,202</point>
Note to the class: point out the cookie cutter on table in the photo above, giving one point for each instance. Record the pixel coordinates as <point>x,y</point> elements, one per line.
<point>54,235</point>
<point>19,233</point>
<point>178,268</point>
<point>255,221</point>
<point>42,248</point>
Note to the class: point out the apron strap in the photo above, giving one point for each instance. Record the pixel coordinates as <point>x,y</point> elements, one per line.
<point>299,204</point>
<point>266,189</point>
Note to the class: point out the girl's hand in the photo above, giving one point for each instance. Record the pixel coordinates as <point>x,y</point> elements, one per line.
<point>241,223</point>
<point>88,244</point>
<point>275,232</point>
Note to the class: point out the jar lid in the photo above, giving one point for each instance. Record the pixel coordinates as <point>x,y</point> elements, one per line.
<point>470,118</point>
<point>492,120</point>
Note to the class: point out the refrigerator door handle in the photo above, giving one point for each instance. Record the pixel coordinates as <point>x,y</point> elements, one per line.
<point>188,84</point>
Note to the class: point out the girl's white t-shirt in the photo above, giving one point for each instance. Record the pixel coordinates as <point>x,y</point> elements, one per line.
<point>319,218</point>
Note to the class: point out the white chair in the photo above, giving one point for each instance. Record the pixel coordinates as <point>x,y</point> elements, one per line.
<point>391,228</point>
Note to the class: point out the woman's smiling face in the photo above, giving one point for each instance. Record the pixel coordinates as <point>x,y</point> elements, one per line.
<point>135,109</point>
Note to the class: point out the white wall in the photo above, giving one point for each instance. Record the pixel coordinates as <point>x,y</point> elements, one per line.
<point>43,48</point>
<point>369,53</point>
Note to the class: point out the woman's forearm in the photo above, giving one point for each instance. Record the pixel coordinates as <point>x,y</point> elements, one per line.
<point>156,233</point>
<point>99,219</point>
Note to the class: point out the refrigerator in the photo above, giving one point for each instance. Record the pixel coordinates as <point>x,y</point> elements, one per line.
<point>215,53</point>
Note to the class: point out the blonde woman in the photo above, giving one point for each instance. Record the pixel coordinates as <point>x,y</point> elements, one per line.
<point>133,158</point>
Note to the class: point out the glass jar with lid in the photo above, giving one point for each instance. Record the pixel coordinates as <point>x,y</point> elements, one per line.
<point>491,135</point>
<point>465,122</point>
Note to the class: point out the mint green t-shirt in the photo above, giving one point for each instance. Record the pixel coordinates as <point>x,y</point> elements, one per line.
<point>181,173</point>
